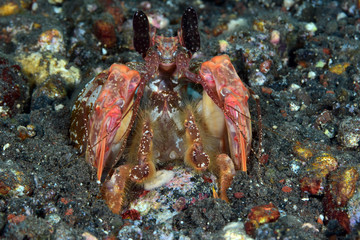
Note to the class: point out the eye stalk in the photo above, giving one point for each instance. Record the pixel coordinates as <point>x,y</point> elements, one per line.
<point>188,37</point>
<point>189,33</point>
<point>141,28</point>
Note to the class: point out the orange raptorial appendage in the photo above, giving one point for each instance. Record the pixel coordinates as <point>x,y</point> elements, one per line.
<point>220,76</point>
<point>108,113</point>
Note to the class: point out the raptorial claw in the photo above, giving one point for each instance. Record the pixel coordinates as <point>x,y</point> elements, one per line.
<point>220,77</point>
<point>108,121</point>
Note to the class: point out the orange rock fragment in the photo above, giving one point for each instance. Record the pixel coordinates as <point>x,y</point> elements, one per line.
<point>9,9</point>
<point>340,190</point>
<point>342,185</point>
<point>219,29</point>
<point>260,215</point>
<point>303,153</point>
<point>283,113</point>
<point>266,90</point>
<point>323,165</point>
<point>239,195</point>
<point>15,219</point>
<point>311,185</point>
<point>50,36</point>
<point>319,220</point>
<point>64,200</point>
<point>69,212</point>
<point>319,168</point>
<point>259,25</point>
<point>286,189</point>
<point>339,68</point>
<point>265,66</point>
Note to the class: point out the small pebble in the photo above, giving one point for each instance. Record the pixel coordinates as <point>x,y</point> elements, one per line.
<point>260,215</point>
<point>288,4</point>
<point>293,87</point>
<point>349,132</point>
<point>311,27</point>
<point>103,51</point>
<point>294,107</point>
<point>59,107</point>
<point>320,64</point>
<point>34,6</point>
<point>57,10</point>
<point>159,21</point>
<point>6,146</point>
<point>265,66</point>
<point>236,23</point>
<point>258,79</point>
<point>311,75</point>
<point>224,46</point>
<point>275,37</point>
<point>55,1</point>
<point>340,16</point>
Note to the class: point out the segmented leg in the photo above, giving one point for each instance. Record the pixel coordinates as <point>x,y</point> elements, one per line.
<point>225,170</point>
<point>114,189</point>
<point>195,156</point>
<point>145,167</point>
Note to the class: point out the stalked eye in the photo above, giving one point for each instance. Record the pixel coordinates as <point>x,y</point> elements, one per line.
<point>141,33</point>
<point>189,30</point>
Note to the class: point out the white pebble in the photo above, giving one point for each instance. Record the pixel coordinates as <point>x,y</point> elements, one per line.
<point>236,24</point>
<point>311,27</point>
<point>6,146</point>
<point>295,168</point>
<point>275,37</point>
<point>340,16</point>
<point>161,178</point>
<point>293,87</point>
<point>34,6</point>
<point>311,75</point>
<point>288,4</point>
<point>57,10</point>
<point>258,79</point>
<point>294,107</point>
<point>59,107</point>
